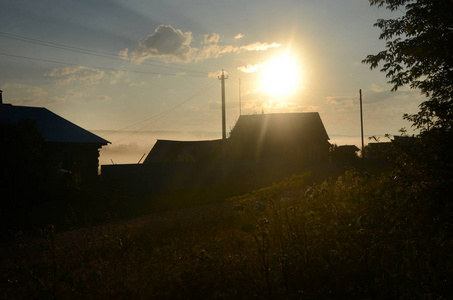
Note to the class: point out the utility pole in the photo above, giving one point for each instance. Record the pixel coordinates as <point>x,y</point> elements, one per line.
<point>224,164</point>
<point>361,124</point>
<point>222,81</point>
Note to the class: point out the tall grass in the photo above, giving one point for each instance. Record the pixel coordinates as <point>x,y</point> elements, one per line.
<point>358,236</point>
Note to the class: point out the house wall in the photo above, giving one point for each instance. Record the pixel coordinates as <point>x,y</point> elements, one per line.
<point>81,159</point>
<point>286,151</point>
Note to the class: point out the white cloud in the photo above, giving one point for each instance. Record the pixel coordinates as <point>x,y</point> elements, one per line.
<point>376,88</point>
<point>102,98</point>
<point>239,36</point>
<point>134,84</point>
<point>22,94</point>
<point>166,42</point>
<point>211,38</point>
<point>174,45</point>
<point>259,46</point>
<point>250,68</point>
<point>84,75</point>
<point>77,96</point>
<point>217,74</point>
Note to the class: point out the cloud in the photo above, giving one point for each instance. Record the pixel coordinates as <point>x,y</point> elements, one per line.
<point>70,96</point>
<point>115,76</point>
<point>215,105</point>
<point>217,74</point>
<point>22,94</point>
<point>342,100</point>
<point>174,45</point>
<point>376,88</point>
<point>259,46</point>
<point>251,68</point>
<point>166,42</point>
<point>211,38</point>
<point>239,36</point>
<point>85,75</point>
<point>135,84</point>
<point>69,75</point>
<point>216,50</point>
<point>78,96</point>
<point>102,98</point>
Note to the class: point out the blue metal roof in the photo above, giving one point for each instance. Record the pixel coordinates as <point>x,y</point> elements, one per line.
<point>51,126</point>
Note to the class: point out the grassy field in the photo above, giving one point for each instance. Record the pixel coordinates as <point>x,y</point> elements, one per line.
<point>358,236</point>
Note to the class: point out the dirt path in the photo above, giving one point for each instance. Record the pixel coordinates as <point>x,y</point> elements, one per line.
<point>30,248</point>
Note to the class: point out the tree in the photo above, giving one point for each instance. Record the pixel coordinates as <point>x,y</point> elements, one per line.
<point>419,53</point>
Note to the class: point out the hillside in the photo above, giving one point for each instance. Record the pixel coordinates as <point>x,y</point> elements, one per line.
<point>358,236</point>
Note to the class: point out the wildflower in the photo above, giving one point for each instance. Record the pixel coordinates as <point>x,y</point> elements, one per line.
<point>308,192</point>
<point>260,206</point>
<point>263,222</point>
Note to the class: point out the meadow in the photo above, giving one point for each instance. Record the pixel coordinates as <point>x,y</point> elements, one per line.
<point>356,236</point>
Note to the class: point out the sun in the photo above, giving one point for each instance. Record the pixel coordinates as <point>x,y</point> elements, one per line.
<point>281,76</point>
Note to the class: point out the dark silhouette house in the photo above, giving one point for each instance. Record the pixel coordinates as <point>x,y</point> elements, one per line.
<point>260,150</point>
<point>346,153</point>
<point>280,137</point>
<point>284,137</point>
<point>166,151</point>
<point>66,145</point>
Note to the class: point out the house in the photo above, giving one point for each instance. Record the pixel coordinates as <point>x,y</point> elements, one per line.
<point>346,153</point>
<point>279,137</point>
<point>260,149</point>
<point>167,151</point>
<point>66,145</point>
<point>378,151</point>
<point>284,137</point>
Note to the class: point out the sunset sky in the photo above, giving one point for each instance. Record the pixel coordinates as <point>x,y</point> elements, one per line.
<point>119,66</point>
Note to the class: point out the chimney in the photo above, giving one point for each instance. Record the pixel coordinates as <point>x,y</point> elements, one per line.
<point>1,97</point>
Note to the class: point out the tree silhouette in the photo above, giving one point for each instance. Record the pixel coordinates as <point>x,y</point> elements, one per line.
<point>419,53</point>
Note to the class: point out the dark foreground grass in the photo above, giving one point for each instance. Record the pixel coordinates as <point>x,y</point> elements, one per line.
<point>356,237</point>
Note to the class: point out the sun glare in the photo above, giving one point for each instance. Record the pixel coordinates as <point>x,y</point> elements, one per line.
<point>281,76</point>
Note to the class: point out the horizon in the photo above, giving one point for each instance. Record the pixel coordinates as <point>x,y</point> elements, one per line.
<point>131,150</point>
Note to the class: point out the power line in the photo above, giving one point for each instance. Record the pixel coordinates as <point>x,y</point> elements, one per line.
<point>161,115</point>
<point>92,52</point>
<point>114,56</point>
<point>94,67</point>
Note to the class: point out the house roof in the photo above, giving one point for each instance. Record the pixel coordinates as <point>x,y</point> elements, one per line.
<point>352,148</point>
<point>278,126</point>
<point>172,151</point>
<point>51,126</point>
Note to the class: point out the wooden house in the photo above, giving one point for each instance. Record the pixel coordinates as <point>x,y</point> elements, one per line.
<point>66,145</point>
<point>346,153</point>
<point>284,137</point>
<point>279,137</point>
<point>167,151</point>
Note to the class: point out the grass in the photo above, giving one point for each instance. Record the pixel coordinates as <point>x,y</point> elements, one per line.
<point>358,236</point>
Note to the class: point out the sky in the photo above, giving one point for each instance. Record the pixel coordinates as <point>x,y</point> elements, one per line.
<point>133,71</point>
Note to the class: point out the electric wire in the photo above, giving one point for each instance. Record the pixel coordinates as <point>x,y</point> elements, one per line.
<point>161,115</point>
<point>94,67</point>
<point>166,65</point>
<point>97,53</point>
